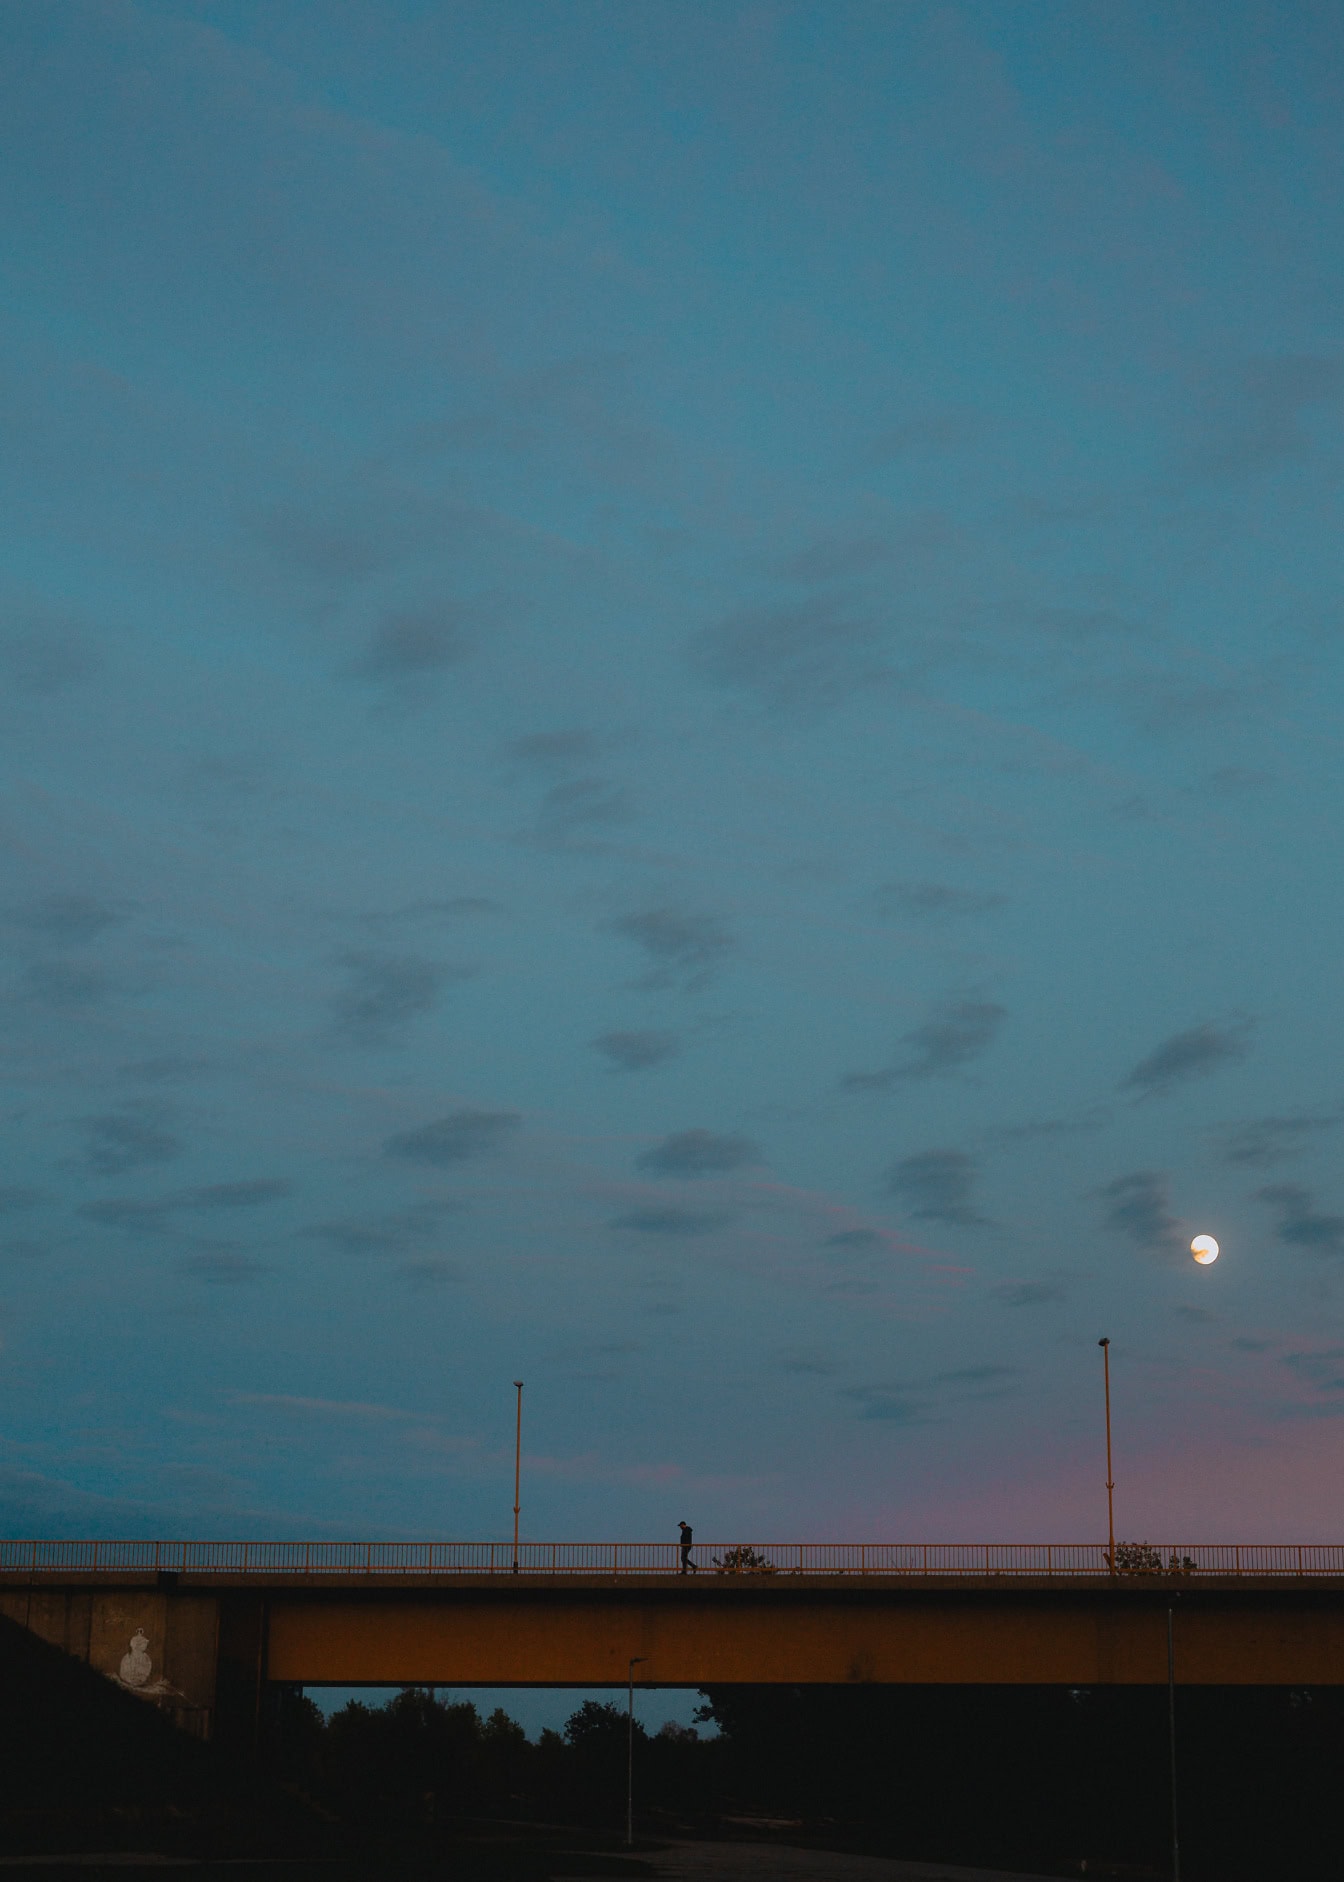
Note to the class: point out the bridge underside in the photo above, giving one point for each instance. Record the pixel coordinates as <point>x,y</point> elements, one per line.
<point>774,1632</point>
<point>214,1641</point>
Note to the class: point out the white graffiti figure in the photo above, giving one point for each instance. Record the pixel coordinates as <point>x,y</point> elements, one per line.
<point>136,1665</point>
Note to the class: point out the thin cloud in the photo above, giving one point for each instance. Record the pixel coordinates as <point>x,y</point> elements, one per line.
<point>1094,1118</point>
<point>956,1033</point>
<point>428,1271</point>
<point>984,1381</point>
<point>1029,1293</point>
<point>837,558</point>
<point>248,1194</point>
<point>411,644</point>
<point>810,1361</point>
<point>393,1233</point>
<point>670,1220</point>
<point>132,1215</point>
<point>1197,1053</point>
<point>1300,1225</point>
<point>922,434</point>
<point>1263,1141</point>
<point>43,652</point>
<point>575,807</point>
<point>357,1409</point>
<point>70,919</point>
<point>558,750</point>
<point>384,992</point>
<point>686,951</point>
<point>936,1186</point>
<point>889,1405</point>
<point>1138,1207</point>
<point>117,1142</point>
<point>1323,1369</point>
<point>14,1197</point>
<point>461,1137</point>
<point>695,1153</point>
<point>149,1215</point>
<point>68,984</point>
<point>449,908</point>
<point>807,653</point>
<point>221,1268</point>
<point>636,1051</point>
<point>1258,414</point>
<point>934,901</point>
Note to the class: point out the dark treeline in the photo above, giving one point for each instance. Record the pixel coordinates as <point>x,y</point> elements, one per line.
<point>1029,1778</point>
<point>419,1761</point>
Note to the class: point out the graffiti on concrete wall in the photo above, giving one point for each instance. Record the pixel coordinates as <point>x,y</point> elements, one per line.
<point>136,1672</point>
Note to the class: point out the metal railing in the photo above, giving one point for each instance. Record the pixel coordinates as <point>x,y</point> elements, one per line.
<point>988,1559</point>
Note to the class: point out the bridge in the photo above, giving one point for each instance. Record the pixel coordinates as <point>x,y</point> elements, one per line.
<point>221,1622</point>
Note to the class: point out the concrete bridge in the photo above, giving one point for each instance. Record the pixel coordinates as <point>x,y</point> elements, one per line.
<point>204,1629</point>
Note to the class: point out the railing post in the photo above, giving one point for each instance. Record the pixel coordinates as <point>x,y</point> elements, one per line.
<point>1049,1558</point>
<point>1299,1558</point>
<point>368,1558</point>
<point>1236,1559</point>
<point>863,1558</point>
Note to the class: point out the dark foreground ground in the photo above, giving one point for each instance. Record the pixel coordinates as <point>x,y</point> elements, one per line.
<point>506,1860</point>
<point>841,1785</point>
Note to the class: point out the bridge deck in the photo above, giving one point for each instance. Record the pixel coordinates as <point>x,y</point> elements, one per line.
<point>278,1614</point>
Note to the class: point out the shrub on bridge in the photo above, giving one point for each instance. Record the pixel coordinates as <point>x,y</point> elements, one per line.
<point>1137,1558</point>
<point>743,1560</point>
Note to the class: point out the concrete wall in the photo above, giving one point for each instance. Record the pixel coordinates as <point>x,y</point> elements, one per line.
<point>173,1669</point>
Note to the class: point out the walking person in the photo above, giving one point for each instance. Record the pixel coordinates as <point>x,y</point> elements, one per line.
<point>687,1537</point>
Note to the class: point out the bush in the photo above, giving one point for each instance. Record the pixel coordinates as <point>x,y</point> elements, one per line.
<point>1136,1558</point>
<point>743,1560</point>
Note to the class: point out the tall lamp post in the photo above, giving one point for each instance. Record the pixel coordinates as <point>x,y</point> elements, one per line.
<point>517,1471</point>
<point>1105,1346</point>
<point>1171,1742</point>
<point>638,1660</point>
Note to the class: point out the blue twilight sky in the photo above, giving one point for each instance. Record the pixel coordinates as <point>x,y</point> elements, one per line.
<point>669,692</point>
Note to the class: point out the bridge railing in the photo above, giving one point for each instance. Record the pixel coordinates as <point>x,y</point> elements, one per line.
<point>941,1559</point>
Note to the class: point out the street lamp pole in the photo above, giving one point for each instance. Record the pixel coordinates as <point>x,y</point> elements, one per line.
<point>517,1471</point>
<point>1105,1346</point>
<point>1171,1746</point>
<point>638,1660</point>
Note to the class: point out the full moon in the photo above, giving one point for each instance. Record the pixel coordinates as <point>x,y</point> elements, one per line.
<point>1204,1249</point>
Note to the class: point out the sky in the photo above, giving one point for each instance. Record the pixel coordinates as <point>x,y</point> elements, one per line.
<point>669,695</point>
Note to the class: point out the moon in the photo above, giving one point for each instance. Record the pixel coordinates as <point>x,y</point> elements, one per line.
<point>1204,1249</point>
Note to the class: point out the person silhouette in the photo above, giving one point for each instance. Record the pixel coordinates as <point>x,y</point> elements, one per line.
<point>687,1537</point>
